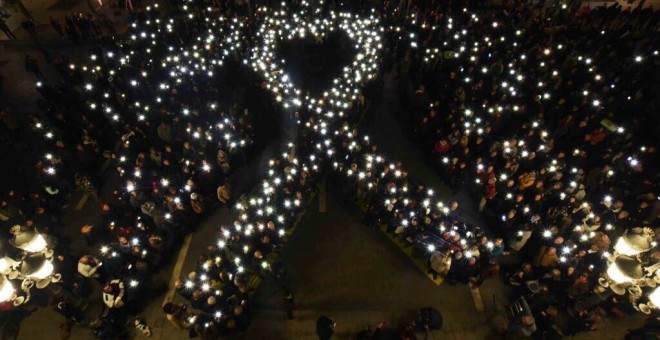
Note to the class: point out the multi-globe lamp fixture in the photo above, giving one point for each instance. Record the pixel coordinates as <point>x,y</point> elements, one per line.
<point>634,268</point>
<point>28,264</point>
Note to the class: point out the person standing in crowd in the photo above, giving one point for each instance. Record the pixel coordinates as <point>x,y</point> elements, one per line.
<point>113,294</point>
<point>287,296</point>
<point>70,312</point>
<point>57,26</point>
<point>537,177</point>
<point>32,65</point>
<point>89,266</point>
<point>325,327</point>
<point>522,327</point>
<point>177,314</point>
<point>30,27</point>
<point>6,30</point>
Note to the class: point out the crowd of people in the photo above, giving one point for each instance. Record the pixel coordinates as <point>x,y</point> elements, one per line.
<point>525,111</point>
<point>74,27</point>
<point>519,108</point>
<point>154,170</point>
<point>226,277</point>
<point>80,26</point>
<point>221,286</point>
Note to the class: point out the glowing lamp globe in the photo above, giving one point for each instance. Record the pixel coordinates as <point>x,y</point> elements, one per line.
<point>617,275</point>
<point>655,297</point>
<point>6,289</point>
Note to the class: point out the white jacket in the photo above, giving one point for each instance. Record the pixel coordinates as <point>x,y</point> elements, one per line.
<point>87,270</point>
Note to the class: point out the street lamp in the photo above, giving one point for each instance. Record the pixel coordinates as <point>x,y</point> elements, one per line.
<point>36,267</point>
<point>617,275</point>
<point>631,269</point>
<point>8,266</point>
<point>633,242</point>
<point>653,302</point>
<point>623,272</point>
<point>654,298</point>
<point>30,263</point>
<point>28,240</point>
<point>6,289</point>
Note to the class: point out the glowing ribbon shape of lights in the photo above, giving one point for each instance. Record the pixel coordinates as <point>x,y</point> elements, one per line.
<point>179,59</point>
<point>366,34</point>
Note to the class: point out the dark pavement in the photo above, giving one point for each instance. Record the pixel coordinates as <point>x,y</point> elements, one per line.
<point>357,277</point>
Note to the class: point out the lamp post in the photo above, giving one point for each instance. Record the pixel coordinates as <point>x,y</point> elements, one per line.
<point>30,241</point>
<point>633,269</point>
<point>29,264</point>
<point>6,289</point>
<point>634,242</point>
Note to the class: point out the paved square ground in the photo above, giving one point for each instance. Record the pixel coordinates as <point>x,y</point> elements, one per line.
<point>356,276</point>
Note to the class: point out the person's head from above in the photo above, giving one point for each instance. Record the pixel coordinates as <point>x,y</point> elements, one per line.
<point>109,288</point>
<point>511,214</point>
<point>123,241</point>
<point>556,274</point>
<point>169,308</point>
<point>570,271</point>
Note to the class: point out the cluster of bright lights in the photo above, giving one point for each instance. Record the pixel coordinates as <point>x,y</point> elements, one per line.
<point>479,60</point>
<point>179,64</point>
<point>261,223</point>
<point>51,161</point>
<point>363,32</point>
<point>17,277</point>
<point>264,216</point>
<point>269,211</point>
<point>410,208</point>
<point>133,84</point>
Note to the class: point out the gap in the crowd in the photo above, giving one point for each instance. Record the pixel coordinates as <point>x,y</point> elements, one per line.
<point>312,63</point>
<point>238,89</point>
